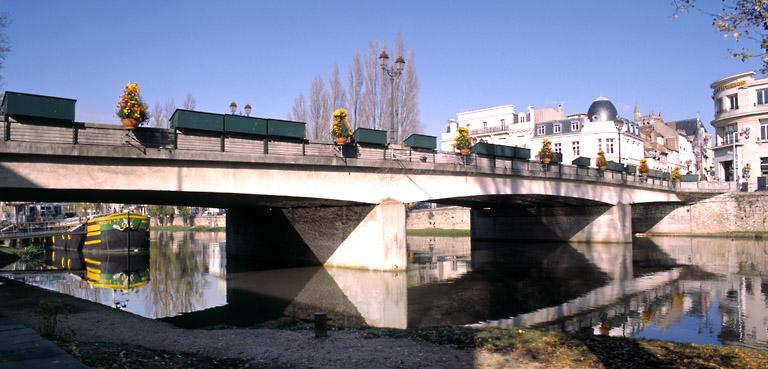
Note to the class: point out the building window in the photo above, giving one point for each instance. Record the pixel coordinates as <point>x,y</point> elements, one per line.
<point>541,130</point>
<point>558,148</point>
<point>599,144</point>
<point>764,166</point>
<point>485,124</point>
<point>576,151</point>
<point>556,128</point>
<point>733,101</point>
<point>609,145</point>
<point>574,126</point>
<point>764,129</point>
<point>503,124</point>
<point>762,96</point>
<point>719,105</point>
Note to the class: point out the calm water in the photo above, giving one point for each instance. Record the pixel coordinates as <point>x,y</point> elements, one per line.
<point>700,290</point>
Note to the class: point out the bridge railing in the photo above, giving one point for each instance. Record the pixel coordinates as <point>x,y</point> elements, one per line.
<point>159,138</point>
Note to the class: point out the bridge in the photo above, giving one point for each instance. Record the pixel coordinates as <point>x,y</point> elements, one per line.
<point>323,203</point>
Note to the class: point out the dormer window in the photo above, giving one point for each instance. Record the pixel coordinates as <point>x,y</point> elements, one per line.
<point>541,130</point>
<point>556,128</point>
<point>575,125</point>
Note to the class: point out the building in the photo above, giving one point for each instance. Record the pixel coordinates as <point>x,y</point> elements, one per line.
<point>499,125</point>
<point>573,135</point>
<point>741,127</point>
<point>701,143</point>
<point>586,134</point>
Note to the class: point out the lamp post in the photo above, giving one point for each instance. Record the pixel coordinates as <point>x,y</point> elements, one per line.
<point>619,123</point>
<point>394,73</point>
<point>233,107</point>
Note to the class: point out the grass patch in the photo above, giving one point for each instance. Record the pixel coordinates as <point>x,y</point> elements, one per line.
<point>438,232</point>
<point>187,228</point>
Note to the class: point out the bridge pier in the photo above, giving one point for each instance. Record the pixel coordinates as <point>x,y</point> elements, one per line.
<point>610,224</point>
<point>362,237</point>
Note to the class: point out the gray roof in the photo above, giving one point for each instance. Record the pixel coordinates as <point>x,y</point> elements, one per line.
<point>690,126</point>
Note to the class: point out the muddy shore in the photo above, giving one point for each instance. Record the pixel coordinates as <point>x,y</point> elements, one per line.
<point>104,337</point>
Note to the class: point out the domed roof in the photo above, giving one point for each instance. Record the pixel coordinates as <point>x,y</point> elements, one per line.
<point>602,110</point>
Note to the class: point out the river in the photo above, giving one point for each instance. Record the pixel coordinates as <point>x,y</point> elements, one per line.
<point>702,290</point>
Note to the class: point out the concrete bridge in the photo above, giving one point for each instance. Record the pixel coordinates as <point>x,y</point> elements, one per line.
<point>320,203</point>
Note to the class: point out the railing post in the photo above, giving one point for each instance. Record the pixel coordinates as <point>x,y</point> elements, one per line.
<point>74,133</point>
<point>175,139</point>
<point>222,142</point>
<point>266,145</point>
<point>303,147</point>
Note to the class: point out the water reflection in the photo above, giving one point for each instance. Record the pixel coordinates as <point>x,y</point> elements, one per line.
<point>703,290</point>
<point>182,272</point>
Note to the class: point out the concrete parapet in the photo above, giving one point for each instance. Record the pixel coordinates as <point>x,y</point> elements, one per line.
<point>574,224</point>
<point>364,237</point>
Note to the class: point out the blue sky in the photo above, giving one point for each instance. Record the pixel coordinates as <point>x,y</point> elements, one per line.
<point>469,54</point>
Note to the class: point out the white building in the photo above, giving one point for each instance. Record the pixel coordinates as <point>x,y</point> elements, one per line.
<point>573,136</point>
<point>585,135</point>
<point>741,123</point>
<point>499,125</point>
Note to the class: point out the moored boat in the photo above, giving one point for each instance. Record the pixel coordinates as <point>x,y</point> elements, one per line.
<point>124,231</point>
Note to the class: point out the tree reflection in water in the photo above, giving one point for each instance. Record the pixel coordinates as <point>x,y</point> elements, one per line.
<point>176,270</point>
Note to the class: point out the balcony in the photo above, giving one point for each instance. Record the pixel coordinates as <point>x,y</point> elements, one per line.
<point>487,130</point>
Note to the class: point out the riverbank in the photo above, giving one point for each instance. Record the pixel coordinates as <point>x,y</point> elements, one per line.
<point>176,228</point>
<point>7,255</point>
<point>104,337</point>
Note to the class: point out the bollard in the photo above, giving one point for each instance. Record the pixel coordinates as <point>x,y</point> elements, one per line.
<point>321,325</point>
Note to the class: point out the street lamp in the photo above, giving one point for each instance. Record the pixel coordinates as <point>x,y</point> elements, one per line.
<point>247,110</point>
<point>394,73</point>
<point>619,123</point>
<point>233,107</point>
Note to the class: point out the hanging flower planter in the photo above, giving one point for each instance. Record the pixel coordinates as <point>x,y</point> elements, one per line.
<point>463,142</point>
<point>131,109</point>
<point>340,130</point>
<point>545,153</point>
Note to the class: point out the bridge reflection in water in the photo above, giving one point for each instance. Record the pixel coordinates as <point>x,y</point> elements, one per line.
<point>702,290</point>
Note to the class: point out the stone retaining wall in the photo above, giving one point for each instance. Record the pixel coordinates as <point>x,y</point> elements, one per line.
<point>443,218</point>
<point>730,214</point>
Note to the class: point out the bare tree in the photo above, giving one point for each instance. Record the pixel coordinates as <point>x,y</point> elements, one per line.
<point>189,102</point>
<point>338,95</point>
<point>369,104</point>
<point>318,110</point>
<point>5,45</point>
<point>158,115</point>
<point>370,99</point>
<point>355,89</point>
<point>168,108</point>
<point>299,110</point>
<point>408,115</point>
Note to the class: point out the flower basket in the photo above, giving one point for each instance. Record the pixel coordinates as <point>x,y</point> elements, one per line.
<point>340,129</point>
<point>600,161</point>
<point>131,109</point>
<point>463,142</point>
<point>545,153</point>
<point>129,123</point>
